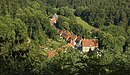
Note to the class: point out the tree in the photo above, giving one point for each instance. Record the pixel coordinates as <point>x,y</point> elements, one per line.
<point>67,62</point>
<point>79,11</point>
<point>65,25</point>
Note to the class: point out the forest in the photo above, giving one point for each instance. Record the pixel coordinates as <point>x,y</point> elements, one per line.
<point>25,27</point>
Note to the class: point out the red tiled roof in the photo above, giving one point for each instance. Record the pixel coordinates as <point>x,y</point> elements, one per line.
<point>90,42</point>
<point>78,39</point>
<point>63,35</point>
<point>67,33</point>
<point>51,54</point>
<point>53,20</point>
<point>67,37</point>
<point>73,36</point>
<point>72,42</point>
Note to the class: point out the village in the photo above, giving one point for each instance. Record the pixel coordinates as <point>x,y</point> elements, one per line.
<point>74,41</point>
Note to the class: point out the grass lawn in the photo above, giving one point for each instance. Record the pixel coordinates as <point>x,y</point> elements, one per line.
<point>84,24</point>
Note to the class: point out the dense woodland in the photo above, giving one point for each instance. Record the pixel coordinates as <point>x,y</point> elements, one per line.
<point>25,25</point>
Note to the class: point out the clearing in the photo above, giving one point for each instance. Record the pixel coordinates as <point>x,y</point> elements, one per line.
<point>84,24</point>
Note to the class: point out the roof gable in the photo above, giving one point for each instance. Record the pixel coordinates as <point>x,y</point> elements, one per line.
<point>89,42</point>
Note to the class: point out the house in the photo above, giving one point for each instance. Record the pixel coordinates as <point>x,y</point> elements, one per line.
<point>85,45</point>
<point>79,39</point>
<point>62,31</point>
<point>51,54</point>
<point>75,41</point>
<point>78,43</point>
<point>66,35</point>
<point>73,37</point>
<point>72,43</point>
<point>89,44</point>
<point>54,19</point>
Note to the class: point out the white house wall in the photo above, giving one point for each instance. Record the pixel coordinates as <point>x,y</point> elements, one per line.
<point>92,48</point>
<point>85,49</point>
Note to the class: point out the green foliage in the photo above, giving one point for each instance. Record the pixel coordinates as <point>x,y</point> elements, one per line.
<point>25,27</point>
<point>114,30</point>
<point>65,11</point>
<point>50,10</point>
<point>97,12</point>
<point>65,25</point>
<point>79,11</point>
<point>63,22</point>
<point>65,63</point>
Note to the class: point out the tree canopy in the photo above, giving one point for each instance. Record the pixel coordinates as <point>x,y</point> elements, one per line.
<point>26,36</point>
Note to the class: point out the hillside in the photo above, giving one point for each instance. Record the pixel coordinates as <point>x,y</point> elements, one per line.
<point>84,24</point>
<point>31,29</point>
